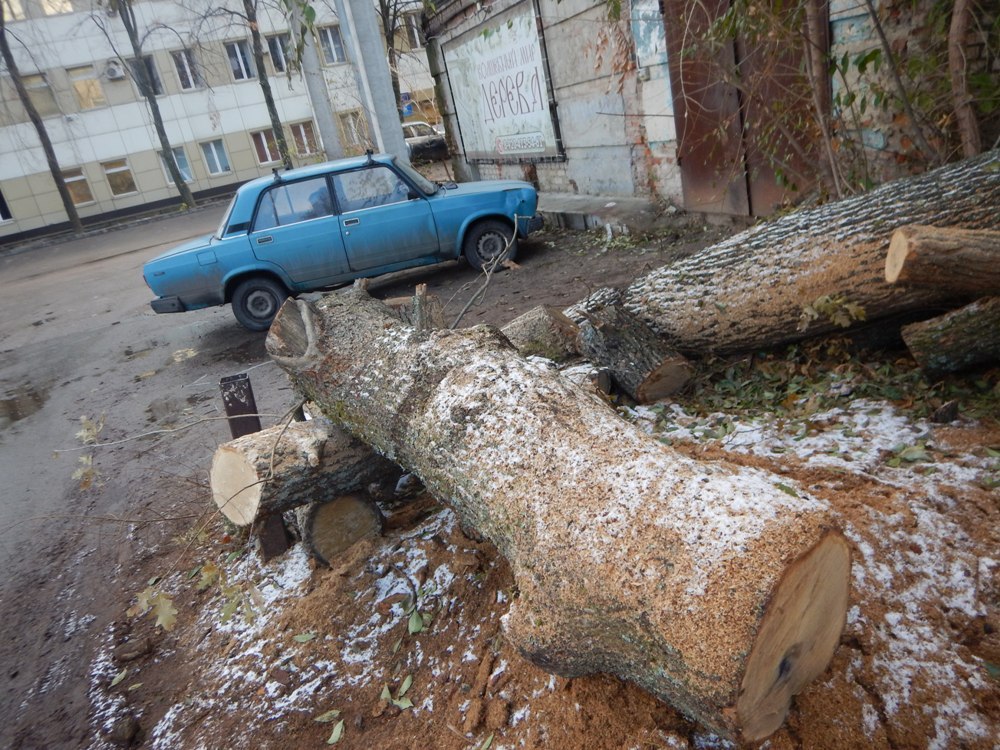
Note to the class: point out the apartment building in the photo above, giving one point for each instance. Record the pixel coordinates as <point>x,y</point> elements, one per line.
<point>75,59</point>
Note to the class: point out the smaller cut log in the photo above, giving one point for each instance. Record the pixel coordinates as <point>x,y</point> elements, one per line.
<point>641,364</point>
<point>966,261</point>
<point>543,331</point>
<point>329,529</point>
<point>282,467</point>
<point>958,340</point>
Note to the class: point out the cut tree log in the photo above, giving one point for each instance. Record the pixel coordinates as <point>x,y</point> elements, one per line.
<point>543,331</point>
<point>750,291</point>
<point>328,529</point>
<point>966,261</point>
<point>286,466</point>
<point>957,340</point>
<point>641,363</point>
<point>719,589</point>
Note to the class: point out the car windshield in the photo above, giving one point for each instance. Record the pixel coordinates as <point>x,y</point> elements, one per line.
<point>423,184</point>
<point>225,219</point>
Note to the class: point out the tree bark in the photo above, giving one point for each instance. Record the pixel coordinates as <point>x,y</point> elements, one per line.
<point>966,261</point>
<point>750,290</point>
<point>328,529</point>
<point>250,9</point>
<point>641,364</point>
<point>965,113</point>
<point>543,331</point>
<point>956,341</point>
<point>713,587</point>
<point>283,467</point>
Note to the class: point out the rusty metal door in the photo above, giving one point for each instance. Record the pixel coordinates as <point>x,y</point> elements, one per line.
<point>736,149</point>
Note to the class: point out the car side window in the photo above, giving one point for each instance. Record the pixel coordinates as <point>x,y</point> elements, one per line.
<point>369,188</point>
<point>296,201</point>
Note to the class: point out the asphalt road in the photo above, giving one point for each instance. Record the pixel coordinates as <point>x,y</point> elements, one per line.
<point>77,338</point>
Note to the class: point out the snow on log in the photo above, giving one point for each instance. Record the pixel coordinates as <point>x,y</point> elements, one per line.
<point>749,291</point>
<point>958,340</point>
<point>641,363</point>
<point>285,466</point>
<point>719,589</point>
<point>328,529</point>
<point>543,331</point>
<point>966,261</point>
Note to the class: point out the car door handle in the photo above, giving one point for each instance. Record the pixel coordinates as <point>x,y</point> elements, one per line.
<point>351,222</point>
<point>265,239</point>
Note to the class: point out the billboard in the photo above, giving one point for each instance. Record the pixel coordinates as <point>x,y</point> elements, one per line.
<point>500,89</point>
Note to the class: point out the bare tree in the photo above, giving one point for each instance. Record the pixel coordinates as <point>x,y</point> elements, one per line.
<point>140,72</point>
<point>39,125</point>
<point>392,14</point>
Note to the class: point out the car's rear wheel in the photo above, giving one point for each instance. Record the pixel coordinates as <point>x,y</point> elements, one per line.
<point>487,241</point>
<point>256,301</point>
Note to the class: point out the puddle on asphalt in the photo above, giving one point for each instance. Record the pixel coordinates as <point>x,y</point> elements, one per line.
<point>20,403</point>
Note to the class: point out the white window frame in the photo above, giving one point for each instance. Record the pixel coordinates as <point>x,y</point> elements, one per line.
<point>40,93</point>
<point>186,66</point>
<point>414,34</point>
<point>299,137</point>
<point>183,165</point>
<point>331,44</point>
<point>118,170</point>
<point>210,153</point>
<point>278,43</point>
<point>353,127</point>
<point>69,178</point>
<point>238,52</point>
<point>267,150</point>
<point>87,75</point>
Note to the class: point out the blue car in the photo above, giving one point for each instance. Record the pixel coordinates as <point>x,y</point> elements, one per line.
<point>327,224</point>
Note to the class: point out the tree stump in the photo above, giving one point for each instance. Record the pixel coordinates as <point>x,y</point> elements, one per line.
<point>285,466</point>
<point>958,340</point>
<point>711,586</point>
<point>966,261</point>
<point>329,528</point>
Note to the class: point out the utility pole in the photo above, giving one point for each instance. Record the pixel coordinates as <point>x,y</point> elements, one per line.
<point>319,95</point>
<point>366,38</point>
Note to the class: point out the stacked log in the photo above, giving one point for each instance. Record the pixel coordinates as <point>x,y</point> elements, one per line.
<point>710,586</point>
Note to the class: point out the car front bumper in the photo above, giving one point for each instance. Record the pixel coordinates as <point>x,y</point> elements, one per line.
<point>167,305</point>
<point>527,226</point>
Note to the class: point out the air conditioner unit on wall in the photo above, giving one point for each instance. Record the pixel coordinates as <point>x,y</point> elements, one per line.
<point>114,72</point>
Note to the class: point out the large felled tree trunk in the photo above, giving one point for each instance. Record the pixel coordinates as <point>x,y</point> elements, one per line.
<point>750,290</point>
<point>712,587</point>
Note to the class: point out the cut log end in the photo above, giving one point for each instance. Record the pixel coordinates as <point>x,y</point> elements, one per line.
<point>797,637</point>
<point>329,529</point>
<point>895,258</point>
<point>236,487</point>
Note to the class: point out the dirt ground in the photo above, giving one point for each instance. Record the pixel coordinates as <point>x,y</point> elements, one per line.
<point>400,644</point>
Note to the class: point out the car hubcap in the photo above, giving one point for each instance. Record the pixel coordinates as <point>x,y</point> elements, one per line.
<point>491,245</point>
<point>260,304</point>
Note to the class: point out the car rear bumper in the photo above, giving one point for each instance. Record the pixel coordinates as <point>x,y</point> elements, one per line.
<point>167,305</point>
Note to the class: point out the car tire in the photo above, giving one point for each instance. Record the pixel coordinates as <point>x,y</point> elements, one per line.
<point>488,239</point>
<point>256,301</point>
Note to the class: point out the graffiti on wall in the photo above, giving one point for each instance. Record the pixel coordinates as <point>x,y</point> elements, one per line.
<point>500,90</point>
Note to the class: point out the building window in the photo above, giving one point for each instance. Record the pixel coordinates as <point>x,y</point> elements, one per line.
<point>119,177</point>
<point>77,186</point>
<point>187,70</point>
<point>240,62</point>
<point>353,128</point>
<point>40,94</point>
<point>89,94</point>
<point>215,157</point>
<point>305,138</point>
<point>332,44</point>
<point>414,34</point>
<point>155,84</point>
<point>14,10</point>
<point>277,45</point>
<point>56,7</point>
<point>265,146</point>
<point>5,214</point>
<point>182,165</point>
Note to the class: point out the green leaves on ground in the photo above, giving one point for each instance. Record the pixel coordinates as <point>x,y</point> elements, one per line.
<point>400,701</point>
<point>159,604</point>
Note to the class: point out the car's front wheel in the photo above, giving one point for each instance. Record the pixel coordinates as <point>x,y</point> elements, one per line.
<point>487,241</point>
<point>256,301</point>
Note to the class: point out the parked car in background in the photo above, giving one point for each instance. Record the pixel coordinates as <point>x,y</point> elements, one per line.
<point>327,224</point>
<point>424,143</point>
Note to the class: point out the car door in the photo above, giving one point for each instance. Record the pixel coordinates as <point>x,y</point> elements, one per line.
<point>296,228</point>
<point>383,220</point>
